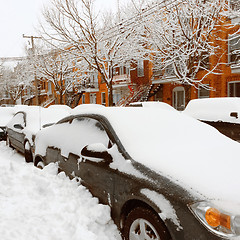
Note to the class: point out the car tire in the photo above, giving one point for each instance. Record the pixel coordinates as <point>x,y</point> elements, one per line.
<point>28,152</point>
<point>40,165</point>
<point>142,223</point>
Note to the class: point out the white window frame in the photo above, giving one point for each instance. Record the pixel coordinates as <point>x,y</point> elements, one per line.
<point>174,97</point>
<point>93,98</point>
<point>83,99</point>
<point>232,82</point>
<point>103,98</point>
<point>49,87</point>
<point>231,37</point>
<point>140,68</point>
<point>199,91</point>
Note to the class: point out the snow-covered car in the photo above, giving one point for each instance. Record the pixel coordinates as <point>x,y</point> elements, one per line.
<point>151,104</point>
<point>6,114</point>
<point>24,125</point>
<point>60,106</point>
<point>81,107</point>
<point>165,175</point>
<point>221,113</point>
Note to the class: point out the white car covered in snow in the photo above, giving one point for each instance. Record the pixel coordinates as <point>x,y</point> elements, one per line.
<point>165,175</point>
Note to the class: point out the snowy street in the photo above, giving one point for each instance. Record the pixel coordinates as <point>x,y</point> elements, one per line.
<point>39,204</point>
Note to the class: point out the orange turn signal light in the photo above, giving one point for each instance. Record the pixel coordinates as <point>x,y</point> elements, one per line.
<point>215,218</point>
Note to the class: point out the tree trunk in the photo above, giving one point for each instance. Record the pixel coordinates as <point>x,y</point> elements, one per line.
<point>188,94</point>
<point>110,94</point>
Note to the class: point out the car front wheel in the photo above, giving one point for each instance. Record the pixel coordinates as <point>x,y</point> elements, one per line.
<point>144,224</point>
<point>28,152</point>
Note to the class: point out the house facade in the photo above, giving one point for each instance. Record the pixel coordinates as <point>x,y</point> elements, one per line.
<point>142,81</point>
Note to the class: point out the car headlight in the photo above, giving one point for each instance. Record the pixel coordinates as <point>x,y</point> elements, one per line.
<point>216,220</point>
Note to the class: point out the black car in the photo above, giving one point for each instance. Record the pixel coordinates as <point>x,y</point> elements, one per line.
<point>161,172</point>
<point>24,125</point>
<point>220,113</point>
<point>6,114</point>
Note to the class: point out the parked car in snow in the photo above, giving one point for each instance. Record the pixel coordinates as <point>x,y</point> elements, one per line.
<point>151,104</point>
<point>24,125</point>
<point>165,175</point>
<point>6,114</point>
<point>221,113</point>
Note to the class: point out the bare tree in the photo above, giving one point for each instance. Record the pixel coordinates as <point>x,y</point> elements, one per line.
<point>102,45</point>
<point>182,34</point>
<point>15,81</point>
<point>58,68</point>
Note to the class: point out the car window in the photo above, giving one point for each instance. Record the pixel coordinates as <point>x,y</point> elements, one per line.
<point>17,119</point>
<point>91,131</point>
<point>73,135</point>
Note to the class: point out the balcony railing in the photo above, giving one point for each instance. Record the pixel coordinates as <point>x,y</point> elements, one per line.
<point>89,85</point>
<point>121,79</point>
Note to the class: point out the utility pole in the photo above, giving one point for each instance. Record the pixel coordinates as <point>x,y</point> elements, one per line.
<point>35,75</point>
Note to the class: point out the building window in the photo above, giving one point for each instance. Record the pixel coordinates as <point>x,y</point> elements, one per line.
<point>93,98</point>
<point>203,91</point>
<point>140,68</point>
<point>234,89</point>
<point>179,98</point>
<point>234,49</point>
<point>83,99</point>
<point>205,62</point>
<point>234,4</point>
<point>128,69</point>
<point>169,70</point>
<point>117,95</point>
<point>93,80</point>
<point>121,70</point>
<point>49,87</point>
<point>103,96</point>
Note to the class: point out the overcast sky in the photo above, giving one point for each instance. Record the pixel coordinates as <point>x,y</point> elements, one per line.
<point>18,17</point>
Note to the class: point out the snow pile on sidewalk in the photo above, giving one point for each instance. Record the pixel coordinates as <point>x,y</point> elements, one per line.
<point>39,204</point>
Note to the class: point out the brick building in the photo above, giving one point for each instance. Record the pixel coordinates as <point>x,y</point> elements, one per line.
<point>144,83</point>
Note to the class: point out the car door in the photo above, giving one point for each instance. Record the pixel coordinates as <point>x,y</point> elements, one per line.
<point>95,175</point>
<point>15,131</point>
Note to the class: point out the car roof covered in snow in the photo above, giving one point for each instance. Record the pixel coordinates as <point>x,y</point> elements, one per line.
<point>225,109</point>
<point>37,116</point>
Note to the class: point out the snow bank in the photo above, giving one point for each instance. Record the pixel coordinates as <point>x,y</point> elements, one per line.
<point>38,204</point>
<point>214,109</point>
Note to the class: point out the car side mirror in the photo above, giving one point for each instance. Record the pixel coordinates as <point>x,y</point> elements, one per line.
<point>96,152</point>
<point>234,114</point>
<point>18,126</point>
